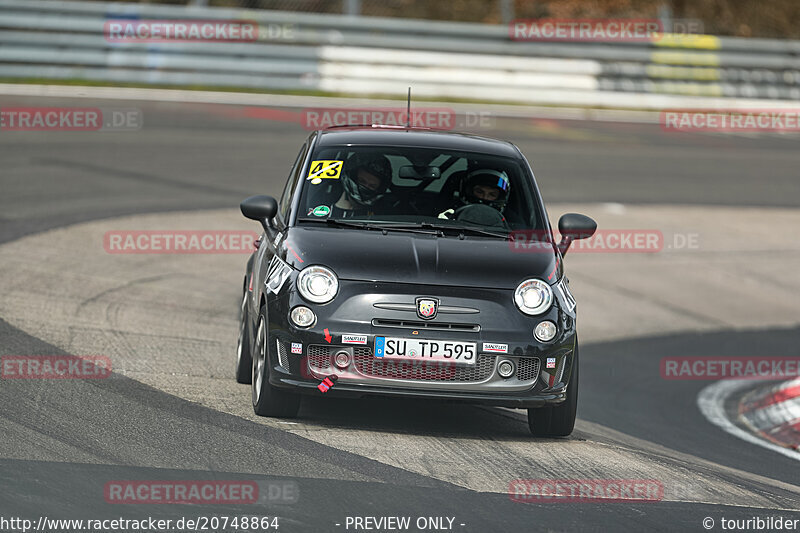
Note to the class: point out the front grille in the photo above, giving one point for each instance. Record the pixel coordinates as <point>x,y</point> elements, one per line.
<point>321,357</point>
<point>283,359</point>
<point>410,307</point>
<point>528,368</point>
<point>418,324</point>
<point>317,352</point>
<point>320,360</point>
<point>426,370</point>
<point>560,369</point>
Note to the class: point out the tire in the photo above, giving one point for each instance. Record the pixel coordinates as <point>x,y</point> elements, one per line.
<point>244,361</point>
<point>268,400</point>
<point>559,420</point>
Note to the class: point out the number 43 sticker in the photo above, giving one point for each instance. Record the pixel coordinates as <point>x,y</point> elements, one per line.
<point>327,169</point>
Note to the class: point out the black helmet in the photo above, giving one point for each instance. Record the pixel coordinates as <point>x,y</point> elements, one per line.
<point>486,178</point>
<point>377,165</point>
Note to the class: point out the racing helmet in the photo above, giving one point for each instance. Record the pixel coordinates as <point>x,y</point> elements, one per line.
<point>486,178</point>
<point>377,165</point>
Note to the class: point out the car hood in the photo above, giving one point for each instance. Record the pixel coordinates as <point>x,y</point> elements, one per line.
<point>369,255</point>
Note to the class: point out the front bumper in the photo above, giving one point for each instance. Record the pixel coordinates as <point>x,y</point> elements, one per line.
<point>483,316</point>
<point>342,390</point>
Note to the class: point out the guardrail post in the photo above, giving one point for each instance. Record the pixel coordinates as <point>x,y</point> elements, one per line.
<point>506,11</point>
<point>665,15</point>
<point>352,7</point>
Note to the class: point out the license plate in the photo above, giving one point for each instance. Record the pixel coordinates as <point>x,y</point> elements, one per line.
<point>422,350</point>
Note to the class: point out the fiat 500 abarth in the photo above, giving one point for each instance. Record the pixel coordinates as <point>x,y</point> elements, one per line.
<point>410,263</point>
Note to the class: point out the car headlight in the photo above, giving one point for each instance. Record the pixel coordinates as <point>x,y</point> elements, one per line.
<point>302,316</point>
<point>533,297</point>
<point>545,331</point>
<point>317,284</point>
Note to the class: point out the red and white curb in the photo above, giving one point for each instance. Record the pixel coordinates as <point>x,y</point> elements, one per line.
<point>774,413</point>
<point>711,402</point>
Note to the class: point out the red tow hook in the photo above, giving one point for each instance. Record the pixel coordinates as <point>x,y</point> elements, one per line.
<point>327,384</point>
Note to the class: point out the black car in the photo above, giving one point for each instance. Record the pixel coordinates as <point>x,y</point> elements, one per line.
<point>415,263</point>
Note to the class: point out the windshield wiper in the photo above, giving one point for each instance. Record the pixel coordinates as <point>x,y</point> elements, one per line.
<point>381,227</point>
<point>478,231</point>
<point>460,229</point>
<point>336,222</point>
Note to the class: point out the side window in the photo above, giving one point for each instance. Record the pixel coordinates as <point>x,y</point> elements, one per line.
<point>286,198</point>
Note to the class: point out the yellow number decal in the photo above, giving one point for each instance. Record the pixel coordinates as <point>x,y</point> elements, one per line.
<point>325,170</point>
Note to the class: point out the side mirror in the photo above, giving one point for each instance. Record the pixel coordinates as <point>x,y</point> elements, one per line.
<point>261,208</point>
<point>574,226</point>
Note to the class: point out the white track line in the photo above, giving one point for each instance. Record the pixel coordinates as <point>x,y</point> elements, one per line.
<point>711,402</point>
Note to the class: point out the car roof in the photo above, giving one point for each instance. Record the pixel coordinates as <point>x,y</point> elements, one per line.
<point>419,137</point>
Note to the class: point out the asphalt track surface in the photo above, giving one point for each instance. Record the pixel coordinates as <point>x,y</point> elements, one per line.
<point>171,410</point>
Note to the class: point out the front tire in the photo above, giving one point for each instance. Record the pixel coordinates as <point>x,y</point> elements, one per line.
<point>267,399</point>
<point>244,358</point>
<point>559,420</point>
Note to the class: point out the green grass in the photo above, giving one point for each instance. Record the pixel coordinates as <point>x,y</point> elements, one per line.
<point>91,83</point>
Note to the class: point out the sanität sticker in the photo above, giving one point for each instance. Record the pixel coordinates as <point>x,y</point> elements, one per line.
<point>495,347</point>
<point>354,339</point>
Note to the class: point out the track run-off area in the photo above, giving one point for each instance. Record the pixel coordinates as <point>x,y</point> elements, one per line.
<point>723,283</point>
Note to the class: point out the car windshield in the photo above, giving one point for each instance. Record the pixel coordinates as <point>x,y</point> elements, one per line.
<point>426,187</point>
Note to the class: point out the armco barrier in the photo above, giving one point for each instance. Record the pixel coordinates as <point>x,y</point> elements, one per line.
<point>383,56</point>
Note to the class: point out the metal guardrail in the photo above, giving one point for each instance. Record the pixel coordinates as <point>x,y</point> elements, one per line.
<point>368,55</point>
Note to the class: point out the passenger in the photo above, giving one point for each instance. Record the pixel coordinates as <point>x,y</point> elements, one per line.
<point>364,183</point>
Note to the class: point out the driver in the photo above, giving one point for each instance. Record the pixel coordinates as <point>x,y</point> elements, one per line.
<point>482,186</point>
<point>365,181</point>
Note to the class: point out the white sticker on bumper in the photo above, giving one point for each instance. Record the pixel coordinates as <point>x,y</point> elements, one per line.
<point>354,339</point>
<point>495,347</point>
